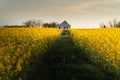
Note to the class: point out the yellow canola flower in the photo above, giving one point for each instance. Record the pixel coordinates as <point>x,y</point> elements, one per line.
<point>19,45</point>
<point>103,45</point>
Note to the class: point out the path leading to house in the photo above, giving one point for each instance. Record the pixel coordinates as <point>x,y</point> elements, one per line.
<point>64,61</point>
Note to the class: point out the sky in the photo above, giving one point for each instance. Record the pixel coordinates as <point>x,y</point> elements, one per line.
<point>78,13</point>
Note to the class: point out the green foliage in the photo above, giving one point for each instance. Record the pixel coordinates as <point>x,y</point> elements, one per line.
<point>14,26</point>
<point>50,25</point>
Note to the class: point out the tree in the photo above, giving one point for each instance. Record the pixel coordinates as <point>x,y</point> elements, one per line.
<point>113,24</point>
<point>50,25</point>
<point>102,25</point>
<point>33,23</point>
<point>46,25</point>
<point>118,25</point>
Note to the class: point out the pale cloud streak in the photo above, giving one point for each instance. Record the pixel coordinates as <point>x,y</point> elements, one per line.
<point>18,10</point>
<point>92,6</point>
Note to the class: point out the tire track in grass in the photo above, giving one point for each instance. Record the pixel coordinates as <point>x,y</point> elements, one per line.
<point>64,61</point>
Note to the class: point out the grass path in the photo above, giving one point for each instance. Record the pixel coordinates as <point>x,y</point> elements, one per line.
<point>64,61</point>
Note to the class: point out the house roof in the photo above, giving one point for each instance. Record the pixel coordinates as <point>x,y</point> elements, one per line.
<point>65,22</point>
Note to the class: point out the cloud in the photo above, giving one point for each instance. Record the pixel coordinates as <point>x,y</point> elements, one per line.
<point>57,6</point>
<point>109,2</point>
<point>16,10</point>
<point>80,8</point>
<point>94,6</point>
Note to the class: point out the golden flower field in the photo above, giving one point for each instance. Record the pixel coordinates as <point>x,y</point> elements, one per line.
<point>27,53</point>
<point>102,46</point>
<point>20,48</point>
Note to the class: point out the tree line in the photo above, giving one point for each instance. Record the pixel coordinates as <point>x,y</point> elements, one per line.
<point>111,24</point>
<point>36,23</point>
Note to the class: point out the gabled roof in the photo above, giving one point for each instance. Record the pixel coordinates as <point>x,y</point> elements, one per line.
<point>65,22</point>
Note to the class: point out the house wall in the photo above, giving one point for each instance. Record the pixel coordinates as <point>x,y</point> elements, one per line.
<point>64,26</point>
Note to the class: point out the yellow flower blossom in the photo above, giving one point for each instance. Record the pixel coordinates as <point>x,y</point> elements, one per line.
<point>17,45</point>
<point>103,43</point>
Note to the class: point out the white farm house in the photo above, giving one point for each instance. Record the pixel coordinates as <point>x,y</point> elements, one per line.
<point>64,25</point>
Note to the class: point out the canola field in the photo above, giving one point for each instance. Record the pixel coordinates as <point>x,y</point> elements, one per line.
<point>20,48</point>
<point>101,46</point>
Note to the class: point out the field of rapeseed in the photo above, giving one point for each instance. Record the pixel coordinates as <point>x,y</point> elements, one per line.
<point>20,48</point>
<point>102,46</point>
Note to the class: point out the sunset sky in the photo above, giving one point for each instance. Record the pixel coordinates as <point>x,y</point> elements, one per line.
<point>78,13</point>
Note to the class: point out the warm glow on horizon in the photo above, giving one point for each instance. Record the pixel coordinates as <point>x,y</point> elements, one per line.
<point>78,13</point>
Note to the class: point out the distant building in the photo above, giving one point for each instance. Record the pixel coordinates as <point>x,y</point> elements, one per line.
<point>64,25</point>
